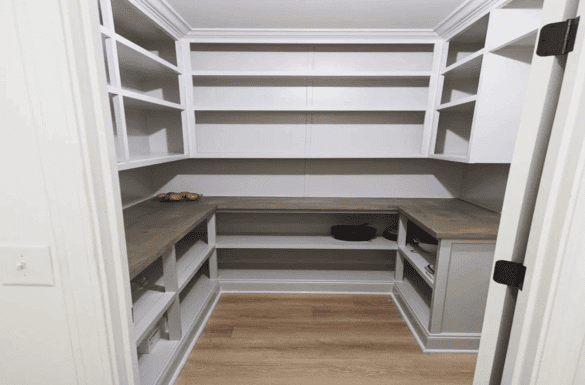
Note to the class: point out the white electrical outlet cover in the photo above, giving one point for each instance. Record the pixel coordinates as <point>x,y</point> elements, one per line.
<point>26,265</point>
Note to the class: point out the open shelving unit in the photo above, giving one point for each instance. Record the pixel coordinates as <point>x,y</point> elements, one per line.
<point>484,80</point>
<point>306,100</point>
<point>145,87</point>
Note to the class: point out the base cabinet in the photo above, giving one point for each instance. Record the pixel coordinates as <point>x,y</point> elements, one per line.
<point>444,310</point>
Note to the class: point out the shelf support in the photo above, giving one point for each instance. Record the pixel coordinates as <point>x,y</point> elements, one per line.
<point>172,285</point>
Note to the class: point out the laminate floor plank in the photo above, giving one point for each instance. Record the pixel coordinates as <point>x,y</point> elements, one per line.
<point>286,339</point>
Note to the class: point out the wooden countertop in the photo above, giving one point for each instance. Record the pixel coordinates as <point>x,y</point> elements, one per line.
<point>152,226</point>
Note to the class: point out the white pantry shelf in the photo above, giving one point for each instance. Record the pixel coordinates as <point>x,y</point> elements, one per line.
<point>151,159</point>
<point>419,305</point>
<point>524,42</point>
<point>419,259</point>
<point>148,309</point>
<point>310,242</point>
<point>450,157</point>
<point>191,261</point>
<point>369,155</point>
<point>463,104</point>
<point>139,101</point>
<point>132,53</point>
<point>152,365</point>
<point>466,68</point>
<point>306,275</point>
<point>195,300</point>
<point>309,108</point>
<point>318,74</point>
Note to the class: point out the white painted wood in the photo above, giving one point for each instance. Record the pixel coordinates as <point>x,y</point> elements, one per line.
<point>526,41</point>
<point>282,107</point>
<point>547,334</point>
<point>151,365</point>
<point>148,310</point>
<point>119,128</point>
<point>299,242</point>
<point>142,101</point>
<point>531,142</point>
<point>506,25</point>
<point>456,89</point>
<point>419,259</point>
<point>463,104</point>
<point>150,159</point>
<point>191,261</point>
<point>440,289</point>
<point>418,302</point>
<point>193,301</point>
<point>343,14</point>
<point>485,185</point>
<point>435,86</point>
<point>278,276</point>
<point>467,284</point>
<point>352,74</point>
<point>306,287</point>
<point>453,133</point>
<point>133,55</point>
<point>171,285</point>
<point>469,67</point>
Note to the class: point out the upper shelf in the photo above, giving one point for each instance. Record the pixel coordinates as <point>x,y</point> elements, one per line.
<point>299,242</point>
<point>134,56</point>
<point>309,108</point>
<point>467,68</point>
<point>318,74</point>
<point>524,42</point>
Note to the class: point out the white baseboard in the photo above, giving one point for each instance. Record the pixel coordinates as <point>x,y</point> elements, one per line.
<point>305,287</point>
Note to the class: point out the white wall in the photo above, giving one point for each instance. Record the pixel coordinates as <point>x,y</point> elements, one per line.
<point>35,345</point>
<point>136,185</point>
<point>405,178</point>
<point>485,185</point>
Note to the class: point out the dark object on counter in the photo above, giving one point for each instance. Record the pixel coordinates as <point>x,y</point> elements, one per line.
<point>179,197</point>
<point>391,235</point>
<point>353,233</point>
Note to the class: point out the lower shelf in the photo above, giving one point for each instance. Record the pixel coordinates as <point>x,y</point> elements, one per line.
<point>193,302</point>
<point>306,275</point>
<point>148,309</point>
<point>152,365</point>
<point>418,303</point>
<point>299,242</point>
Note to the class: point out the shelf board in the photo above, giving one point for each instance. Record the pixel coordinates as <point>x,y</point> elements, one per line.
<point>309,242</point>
<point>189,264</point>
<point>419,258</point>
<point>306,275</point>
<point>524,42</point>
<point>152,365</point>
<point>308,108</point>
<point>450,157</point>
<point>469,67</point>
<point>143,102</point>
<point>463,104</point>
<point>148,309</point>
<point>307,156</point>
<point>419,305</point>
<point>316,74</point>
<point>130,54</point>
<point>151,159</point>
<point>195,300</point>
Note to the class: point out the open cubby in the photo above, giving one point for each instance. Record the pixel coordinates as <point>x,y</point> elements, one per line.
<point>192,251</point>
<point>133,25</point>
<point>417,293</point>
<point>194,296</point>
<point>146,76</point>
<point>152,131</point>
<point>456,88</point>
<point>453,133</point>
<point>468,42</point>
<point>322,58</point>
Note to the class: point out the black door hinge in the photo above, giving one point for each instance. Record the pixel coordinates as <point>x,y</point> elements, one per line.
<point>557,38</point>
<point>510,273</point>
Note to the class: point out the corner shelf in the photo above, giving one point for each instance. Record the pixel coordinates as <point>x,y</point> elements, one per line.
<point>194,301</point>
<point>141,101</point>
<point>419,259</point>
<point>468,67</point>
<point>463,104</point>
<point>150,160</point>
<point>148,309</point>
<point>299,242</point>
<point>190,263</point>
<point>524,42</point>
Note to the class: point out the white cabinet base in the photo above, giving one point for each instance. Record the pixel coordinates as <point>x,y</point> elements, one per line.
<point>434,342</point>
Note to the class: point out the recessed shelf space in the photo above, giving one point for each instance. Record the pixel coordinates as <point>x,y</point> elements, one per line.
<point>272,93</point>
<point>526,42</point>
<point>280,275</point>
<point>149,299</point>
<point>453,133</point>
<point>153,132</point>
<point>146,76</point>
<point>151,365</point>
<point>417,294</point>
<point>320,58</point>
<point>463,104</point>
<point>470,67</point>
<point>133,25</point>
<point>468,42</point>
<point>192,251</point>
<point>457,88</point>
<point>195,295</point>
<point>419,260</point>
<point>309,242</point>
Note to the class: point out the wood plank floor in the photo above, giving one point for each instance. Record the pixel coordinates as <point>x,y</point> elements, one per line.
<point>315,339</point>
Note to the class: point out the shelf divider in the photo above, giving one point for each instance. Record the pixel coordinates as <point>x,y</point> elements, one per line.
<point>419,259</point>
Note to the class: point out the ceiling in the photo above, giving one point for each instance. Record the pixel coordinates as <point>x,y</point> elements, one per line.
<point>315,14</point>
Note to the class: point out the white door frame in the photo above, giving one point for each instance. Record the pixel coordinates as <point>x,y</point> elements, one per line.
<point>546,80</point>
<point>58,52</point>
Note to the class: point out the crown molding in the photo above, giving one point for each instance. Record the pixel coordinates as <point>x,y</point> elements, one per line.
<point>262,35</point>
<point>164,15</point>
<point>467,12</point>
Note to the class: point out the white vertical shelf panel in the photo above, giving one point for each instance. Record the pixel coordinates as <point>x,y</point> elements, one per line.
<point>121,134</point>
<point>435,86</point>
<point>189,124</point>
<point>506,25</point>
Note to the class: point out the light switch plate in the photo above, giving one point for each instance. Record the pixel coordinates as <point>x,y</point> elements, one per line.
<point>26,265</point>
